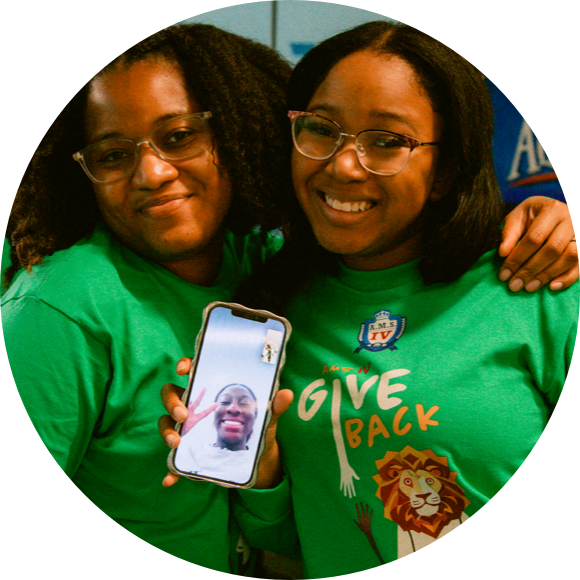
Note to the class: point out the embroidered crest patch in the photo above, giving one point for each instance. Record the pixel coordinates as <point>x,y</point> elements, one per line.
<point>381,332</point>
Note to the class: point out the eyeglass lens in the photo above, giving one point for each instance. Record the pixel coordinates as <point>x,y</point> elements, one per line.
<point>379,151</point>
<point>179,138</point>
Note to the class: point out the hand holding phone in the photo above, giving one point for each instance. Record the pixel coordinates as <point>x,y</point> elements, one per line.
<point>233,381</point>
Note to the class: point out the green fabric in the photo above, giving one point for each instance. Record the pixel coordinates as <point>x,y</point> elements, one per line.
<point>266,519</point>
<point>470,384</point>
<point>92,335</point>
<point>5,261</point>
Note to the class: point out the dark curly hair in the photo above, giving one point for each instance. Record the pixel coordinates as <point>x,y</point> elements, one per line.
<point>242,82</point>
<point>461,226</point>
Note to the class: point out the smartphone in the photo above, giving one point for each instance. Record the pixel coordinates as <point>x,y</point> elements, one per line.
<point>233,380</point>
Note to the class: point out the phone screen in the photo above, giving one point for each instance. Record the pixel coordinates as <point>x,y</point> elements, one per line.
<point>234,376</point>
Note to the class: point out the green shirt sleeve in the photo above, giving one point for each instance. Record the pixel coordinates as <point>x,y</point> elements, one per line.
<point>61,372</point>
<point>266,519</point>
<point>573,358</point>
<point>5,261</point>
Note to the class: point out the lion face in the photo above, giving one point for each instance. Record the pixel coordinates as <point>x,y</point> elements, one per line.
<point>422,489</point>
<point>418,490</point>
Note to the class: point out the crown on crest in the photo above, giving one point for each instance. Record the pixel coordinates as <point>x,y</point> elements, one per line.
<point>382,315</point>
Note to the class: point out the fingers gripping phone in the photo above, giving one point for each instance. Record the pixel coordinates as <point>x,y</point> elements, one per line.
<point>233,380</point>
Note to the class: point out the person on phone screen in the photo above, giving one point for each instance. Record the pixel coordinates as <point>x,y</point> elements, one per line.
<point>228,457</point>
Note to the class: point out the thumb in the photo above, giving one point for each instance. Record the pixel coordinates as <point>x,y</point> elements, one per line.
<point>280,405</point>
<point>270,469</point>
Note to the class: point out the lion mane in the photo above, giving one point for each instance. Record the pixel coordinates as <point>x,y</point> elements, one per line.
<point>418,490</point>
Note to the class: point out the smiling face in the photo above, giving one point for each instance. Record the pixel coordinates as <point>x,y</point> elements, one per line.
<point>169,212</point>
<point>234,417</point>
<point>372,221</point>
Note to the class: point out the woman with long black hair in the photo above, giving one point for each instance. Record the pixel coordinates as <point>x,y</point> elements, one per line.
<point>420,382</point>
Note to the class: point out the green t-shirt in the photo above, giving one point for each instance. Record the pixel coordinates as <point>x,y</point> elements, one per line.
<point>413,405</point>
<point>92,335</point>
<point>5,261</point>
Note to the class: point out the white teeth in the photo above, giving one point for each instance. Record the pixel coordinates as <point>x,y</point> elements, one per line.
<point>347,206</point>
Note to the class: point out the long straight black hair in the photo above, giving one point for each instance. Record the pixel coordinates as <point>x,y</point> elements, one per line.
<point>465,222</point>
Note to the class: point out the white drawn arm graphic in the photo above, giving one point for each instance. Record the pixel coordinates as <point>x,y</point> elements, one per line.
<point>347,473</point>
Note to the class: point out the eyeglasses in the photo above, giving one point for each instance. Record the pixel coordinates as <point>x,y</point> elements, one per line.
<point>380,152</point>
<point>175,140</point>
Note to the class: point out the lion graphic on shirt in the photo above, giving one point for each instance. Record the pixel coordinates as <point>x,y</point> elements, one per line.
<point>419,493</point>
